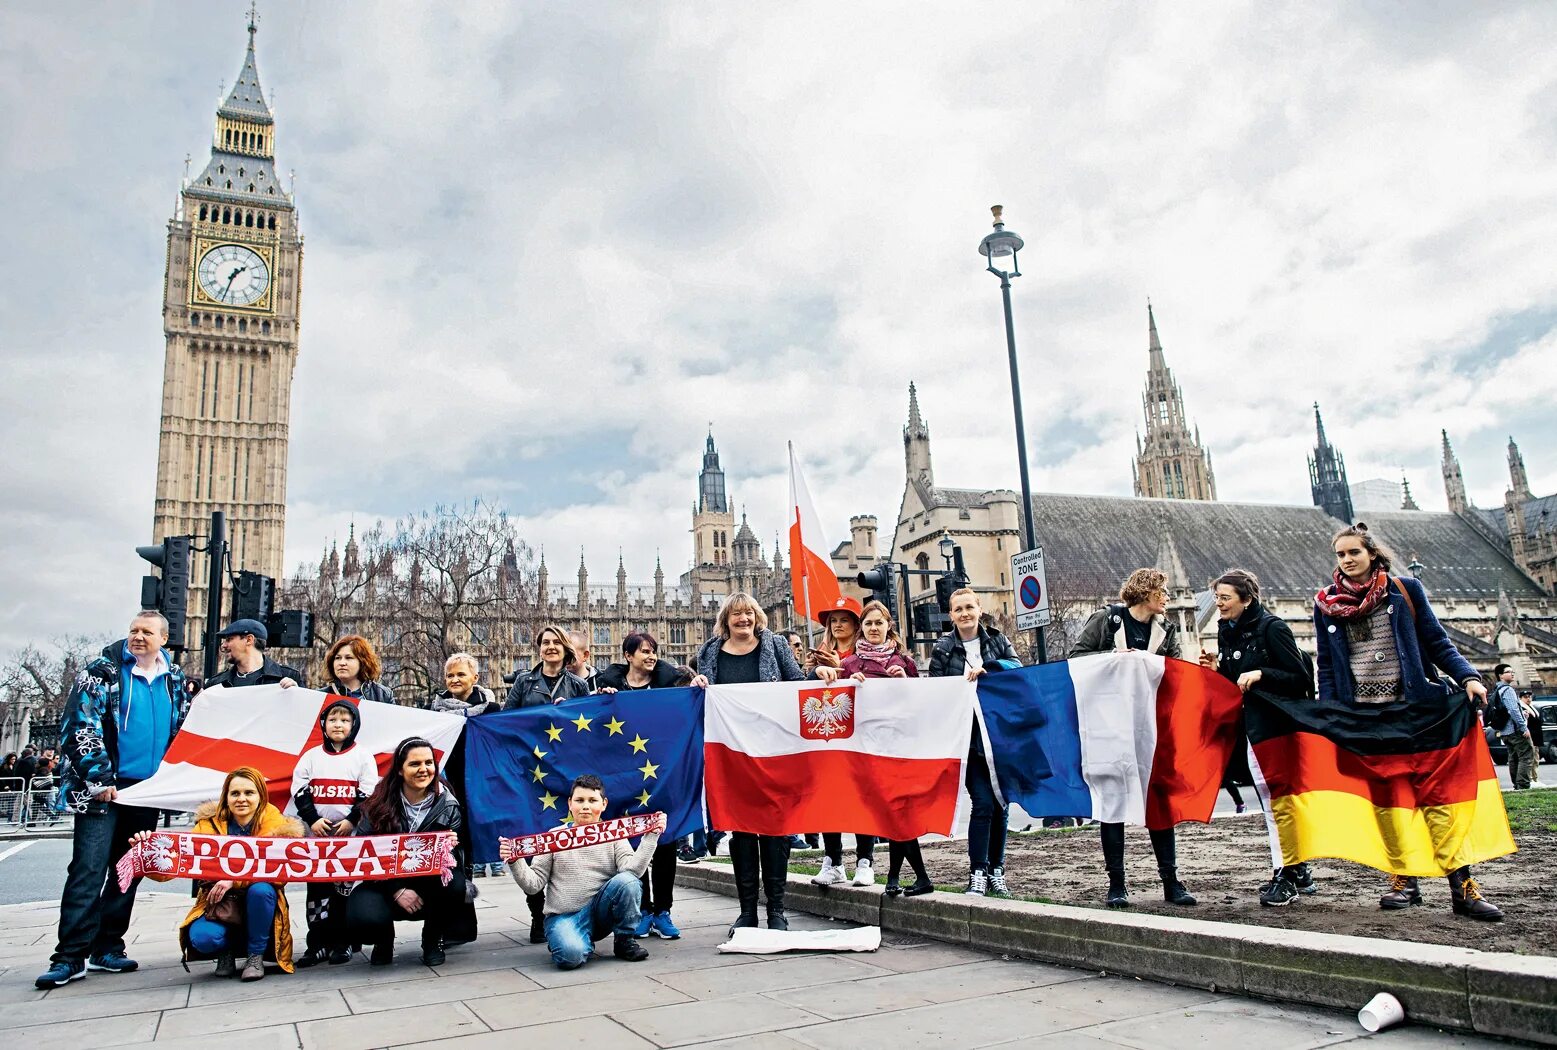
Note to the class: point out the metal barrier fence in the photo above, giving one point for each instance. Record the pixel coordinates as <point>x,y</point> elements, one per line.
<point>29,806</point>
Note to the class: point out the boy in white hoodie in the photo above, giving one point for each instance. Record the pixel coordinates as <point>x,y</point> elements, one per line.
<point>328,787</point>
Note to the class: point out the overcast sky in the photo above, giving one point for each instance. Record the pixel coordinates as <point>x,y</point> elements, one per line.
<point>549,244</point>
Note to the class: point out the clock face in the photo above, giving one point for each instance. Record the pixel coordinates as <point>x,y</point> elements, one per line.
<point>233,274</point>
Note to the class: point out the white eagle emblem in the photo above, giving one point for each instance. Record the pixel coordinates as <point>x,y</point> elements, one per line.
<point>160,850</point>
<point>826,714</point>
<point>416,854</point>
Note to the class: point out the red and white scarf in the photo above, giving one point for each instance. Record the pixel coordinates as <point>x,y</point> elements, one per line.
<point>209,858</point>
<point>578,836</point>
<point>1349,600</point>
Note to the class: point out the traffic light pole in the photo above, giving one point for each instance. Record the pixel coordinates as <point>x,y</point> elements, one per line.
<point>216,565</point>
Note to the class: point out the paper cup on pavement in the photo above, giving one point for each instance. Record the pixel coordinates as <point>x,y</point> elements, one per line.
<point>1382,1011</point>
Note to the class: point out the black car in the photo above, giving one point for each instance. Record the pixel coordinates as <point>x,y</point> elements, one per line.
<point>1546,707</point>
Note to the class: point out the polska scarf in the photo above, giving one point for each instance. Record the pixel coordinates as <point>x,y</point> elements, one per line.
<point>578,836</point>
<point>875,654</point>
<point>1349,600</point>
<point>207,858</point>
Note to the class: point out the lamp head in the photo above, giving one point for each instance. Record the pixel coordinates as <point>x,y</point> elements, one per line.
<point>1001,242</point>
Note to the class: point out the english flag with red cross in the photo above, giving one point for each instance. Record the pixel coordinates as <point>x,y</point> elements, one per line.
<point>269,728</point>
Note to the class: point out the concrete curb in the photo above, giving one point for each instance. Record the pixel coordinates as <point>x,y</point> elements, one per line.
<point>1491,993</point>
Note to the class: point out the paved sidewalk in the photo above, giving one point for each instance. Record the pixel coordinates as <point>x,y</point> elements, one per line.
<point>912,994</point>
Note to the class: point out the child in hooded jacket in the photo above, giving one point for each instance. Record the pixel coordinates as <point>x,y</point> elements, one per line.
<point>329,785</point>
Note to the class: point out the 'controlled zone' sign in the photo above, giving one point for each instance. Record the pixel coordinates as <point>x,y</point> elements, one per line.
<point>1032,589</point>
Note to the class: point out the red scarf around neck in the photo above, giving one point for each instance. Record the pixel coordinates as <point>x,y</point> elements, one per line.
<point>1348,600</point>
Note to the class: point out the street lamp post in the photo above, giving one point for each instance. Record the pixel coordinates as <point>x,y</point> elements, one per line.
<point>998,245</point>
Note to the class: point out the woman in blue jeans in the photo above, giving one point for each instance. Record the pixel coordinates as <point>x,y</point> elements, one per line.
<point>260,926</point>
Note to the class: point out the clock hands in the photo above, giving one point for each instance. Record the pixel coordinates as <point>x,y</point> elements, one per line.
<point>230,279</point>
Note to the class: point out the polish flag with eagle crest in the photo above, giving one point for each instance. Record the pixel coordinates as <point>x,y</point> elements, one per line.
<point>881,757</point>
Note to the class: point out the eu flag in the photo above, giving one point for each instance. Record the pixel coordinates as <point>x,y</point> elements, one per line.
<point>647,745</point>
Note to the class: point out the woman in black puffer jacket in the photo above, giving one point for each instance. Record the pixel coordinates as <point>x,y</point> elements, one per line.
<point>1256,651</point>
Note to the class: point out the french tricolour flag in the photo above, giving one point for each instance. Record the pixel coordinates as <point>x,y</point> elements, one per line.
<point>269,728</point>
<point>1123,737</point>
<point>882,757</point>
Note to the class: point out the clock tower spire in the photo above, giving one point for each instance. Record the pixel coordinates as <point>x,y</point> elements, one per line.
<point>230,321</point>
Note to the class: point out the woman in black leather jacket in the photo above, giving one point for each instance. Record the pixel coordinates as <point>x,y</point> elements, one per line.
<point>412,797</point>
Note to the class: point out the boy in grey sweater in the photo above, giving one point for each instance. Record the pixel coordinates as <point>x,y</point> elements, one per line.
<point>590,891</point>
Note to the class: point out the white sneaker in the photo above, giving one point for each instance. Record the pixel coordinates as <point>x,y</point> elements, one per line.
<point>863,874</point>
<point>830,875</point>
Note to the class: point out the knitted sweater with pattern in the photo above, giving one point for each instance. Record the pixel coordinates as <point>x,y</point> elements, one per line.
<point>571,878</point>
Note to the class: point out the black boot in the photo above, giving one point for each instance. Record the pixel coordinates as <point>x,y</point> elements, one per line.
<point>1467,900</point>
<point>1166,849</point>
<point>627,948</point>
<point>432,945</point>
<point>744,857</point>
<point>537,904</point>
<point>774,852</point>
<point>1113,860</point>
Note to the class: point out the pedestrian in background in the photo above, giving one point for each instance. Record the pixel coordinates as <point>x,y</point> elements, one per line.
<point>1508,719</point>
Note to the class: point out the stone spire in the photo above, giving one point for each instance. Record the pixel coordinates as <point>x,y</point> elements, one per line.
<point>659,583</point>
<point>778,555</point>
<point>351,566</point>
<point>1407,503</point>
<point>583,582</point>
<point>1171,463</point>
<point>542,580</point>
<point>243,148</point>
<point>916,442</point>
<point>1453,482</point>
<point>1327,476</point>
<point>710,481</point>
<point>621,585</point>
<point>1518,480</point>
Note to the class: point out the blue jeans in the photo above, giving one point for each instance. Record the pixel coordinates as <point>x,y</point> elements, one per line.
<point>93,913</point>
<point>209,937</point>
<point>987,823</point>
<point>572,938</point>
<point>700,842</point>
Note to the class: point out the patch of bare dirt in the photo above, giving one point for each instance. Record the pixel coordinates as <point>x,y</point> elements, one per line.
<point>1224,863</point>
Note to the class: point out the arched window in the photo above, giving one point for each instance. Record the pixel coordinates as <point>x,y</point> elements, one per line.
<point>218,322</point>
<point>194,320</point>
<point>248,217</point>
<point>923,561</point>
<point>243,325</point>
<point>264,328</point>
<point>202,213</point>
<point>273,218</point>
<point>227,215</point>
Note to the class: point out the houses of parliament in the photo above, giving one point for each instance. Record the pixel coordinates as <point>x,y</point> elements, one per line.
<point>232,320</point>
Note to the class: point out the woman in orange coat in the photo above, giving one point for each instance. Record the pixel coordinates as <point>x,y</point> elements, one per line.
<point>262,927</point>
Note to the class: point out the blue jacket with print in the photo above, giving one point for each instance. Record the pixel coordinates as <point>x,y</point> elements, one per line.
<point>89,727</point>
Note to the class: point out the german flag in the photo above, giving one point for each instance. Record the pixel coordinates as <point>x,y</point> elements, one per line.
<point>1405,787</point>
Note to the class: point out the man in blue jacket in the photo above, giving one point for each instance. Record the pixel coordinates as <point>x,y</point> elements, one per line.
<point>1522,760</point>
<point>122,713</point>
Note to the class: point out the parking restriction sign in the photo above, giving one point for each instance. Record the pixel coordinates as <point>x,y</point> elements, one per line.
<point>1032,589</point>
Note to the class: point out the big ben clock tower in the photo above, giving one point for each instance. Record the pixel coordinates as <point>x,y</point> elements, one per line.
<point>230,317</point>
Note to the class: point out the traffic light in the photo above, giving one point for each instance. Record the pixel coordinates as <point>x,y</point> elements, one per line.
<point>253,597</point>
<point>169,595</point>
<point>945,584</point>
<point>290,629</point>
<point>929,620</point>
<point>881,582</point>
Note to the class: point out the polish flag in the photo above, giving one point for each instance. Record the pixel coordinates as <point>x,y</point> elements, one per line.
<point>811,575</point>
<point>269,728</point>
<point>882,757</point>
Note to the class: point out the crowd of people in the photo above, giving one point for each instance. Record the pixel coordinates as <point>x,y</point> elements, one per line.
<point>1378,642</point>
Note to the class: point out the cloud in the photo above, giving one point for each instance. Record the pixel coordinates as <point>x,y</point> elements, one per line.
<point>546,247</point>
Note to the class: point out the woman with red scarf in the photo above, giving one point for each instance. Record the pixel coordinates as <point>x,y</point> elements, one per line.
<point>1376,637</point>
<point>878,653</point>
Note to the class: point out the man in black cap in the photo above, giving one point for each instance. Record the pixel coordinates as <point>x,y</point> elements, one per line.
<point>243,643</point>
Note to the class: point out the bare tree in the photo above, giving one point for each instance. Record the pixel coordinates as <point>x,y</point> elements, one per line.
<point>37,681</point>
<point>433,584</point>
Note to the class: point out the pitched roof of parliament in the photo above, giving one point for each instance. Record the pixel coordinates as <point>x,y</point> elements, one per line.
<point>1091,542</point>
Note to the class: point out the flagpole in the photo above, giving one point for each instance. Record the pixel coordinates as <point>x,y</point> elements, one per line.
<point>805,576</point>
